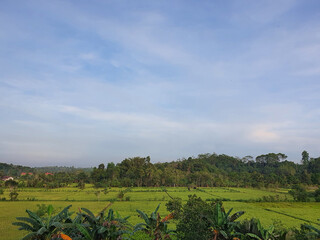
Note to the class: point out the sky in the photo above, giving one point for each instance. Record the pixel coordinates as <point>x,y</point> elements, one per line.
<point>89,82</point>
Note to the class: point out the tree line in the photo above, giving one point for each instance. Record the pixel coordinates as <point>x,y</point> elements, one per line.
<point>210,170</point>
<point>205,170</point>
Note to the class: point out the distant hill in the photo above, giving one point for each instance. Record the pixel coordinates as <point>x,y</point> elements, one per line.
<point>56,169</point>
<point>16,170</point>
<point>13,170</point>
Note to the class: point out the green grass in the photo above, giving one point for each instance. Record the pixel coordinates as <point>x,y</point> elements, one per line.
<point>146,199</point>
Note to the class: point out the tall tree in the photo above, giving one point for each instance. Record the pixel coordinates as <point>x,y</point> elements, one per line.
<point>271,158</point>
<point>305,158</point>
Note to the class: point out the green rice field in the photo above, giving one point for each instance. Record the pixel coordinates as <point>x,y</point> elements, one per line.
<point>291,214</point>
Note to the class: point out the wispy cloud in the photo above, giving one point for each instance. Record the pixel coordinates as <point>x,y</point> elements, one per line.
<point>118,79</point>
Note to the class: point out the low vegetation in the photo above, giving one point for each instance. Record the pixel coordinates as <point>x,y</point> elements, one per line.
<point>270,170</point>
<point>280,199</point>
<point>198,219</point>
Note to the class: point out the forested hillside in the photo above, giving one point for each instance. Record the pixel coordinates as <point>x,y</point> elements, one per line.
<point>13,170</point>
<point>269,170</point>
<point>205,170</point>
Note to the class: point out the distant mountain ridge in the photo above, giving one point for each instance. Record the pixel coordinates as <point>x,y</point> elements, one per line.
<point>56,169</point>
<point>13,170</point>
<point>16,170</point>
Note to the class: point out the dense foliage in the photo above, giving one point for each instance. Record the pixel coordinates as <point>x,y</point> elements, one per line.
<point>86,225</point>
<point>198,219</point>
<point>13,170</point>
<point>205,170</point>
<point>209,170</point>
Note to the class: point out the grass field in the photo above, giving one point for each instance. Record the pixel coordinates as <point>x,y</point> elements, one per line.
<point>291,214</point>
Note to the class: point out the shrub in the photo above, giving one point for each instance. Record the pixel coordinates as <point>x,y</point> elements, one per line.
<point>175,206</point>
<point>317,195</point>
<point>42,210</point>
<point>299,193</point>
<point>121,195</point>
<point>193,224</point>
<point>13,195</point>
<point>209,221</point>
<point>127,198</point>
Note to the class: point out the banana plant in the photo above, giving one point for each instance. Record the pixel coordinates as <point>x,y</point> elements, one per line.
<point>43,228</point>
<point>110,227</point>
<point>156,227</point>
<point>223,225</point>
<point>252,229</point>
<point>314,233</point>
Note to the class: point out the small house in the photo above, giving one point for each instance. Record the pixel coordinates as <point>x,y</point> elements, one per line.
<point>6,178</point>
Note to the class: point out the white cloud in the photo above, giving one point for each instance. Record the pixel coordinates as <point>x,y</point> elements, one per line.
<point>263,134</point>
<point>169,83</point>
<point>145,122</point>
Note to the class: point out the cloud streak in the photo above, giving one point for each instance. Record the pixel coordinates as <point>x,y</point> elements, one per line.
<point>109,80</point>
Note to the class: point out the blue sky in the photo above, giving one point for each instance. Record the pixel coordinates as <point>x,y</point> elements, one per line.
<point>85,82</point>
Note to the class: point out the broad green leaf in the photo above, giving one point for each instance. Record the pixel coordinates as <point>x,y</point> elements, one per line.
<point>229,211</point>
<point>110,214</point>
<point>224,234</point>
<point>88,212</point>
<point>34,216</point>
<point>139,226</point>
<point>23,226</point>
<point>218,213</point>
<point>29,220</point>
<point>42,230</point>
<point>64,212</point>
<point>144,216</point>
<point>58,225</point>
<point>157,208</point>
<point>313,228</point>
<point>29,236</point>
<point>253,236</point>
<point>84,231</point>
<point>50,210</point>
<point>236,216</point>
<point>102,230</point>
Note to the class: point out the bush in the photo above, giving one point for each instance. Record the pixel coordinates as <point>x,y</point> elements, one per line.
<point>317,195</point>
<point>127,198</point>
<point>121,195</point>
<point>202,220</point>
<point>175,206</point>
<point>198,219</point>
<point>299,193</point>
<point>218,199</point>
<point>193,224</point>
<point>13,195</point>
<point>43,210</point>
